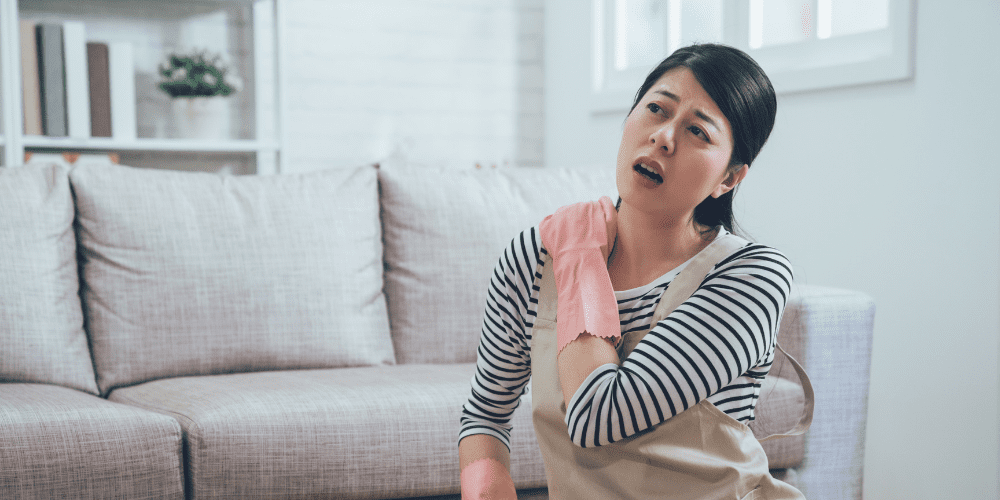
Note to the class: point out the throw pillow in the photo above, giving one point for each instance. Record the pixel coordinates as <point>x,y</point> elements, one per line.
<point>195,273</point>
<point>445,230</point>
<point>41,325</point>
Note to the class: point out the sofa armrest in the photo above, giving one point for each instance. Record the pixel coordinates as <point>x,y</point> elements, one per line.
<point>829,331</point>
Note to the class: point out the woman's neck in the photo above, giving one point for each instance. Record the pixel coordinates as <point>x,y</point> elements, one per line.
<point>649,245</point>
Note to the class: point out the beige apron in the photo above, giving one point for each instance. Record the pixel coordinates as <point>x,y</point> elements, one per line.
<point>701,453</point>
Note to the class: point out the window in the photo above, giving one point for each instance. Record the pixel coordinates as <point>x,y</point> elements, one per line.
<point>801,44</point>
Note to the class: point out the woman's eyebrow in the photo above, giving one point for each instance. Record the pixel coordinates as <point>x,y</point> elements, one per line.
<point>699,113</point>
<point>705,117</point>
<point>669,94</point>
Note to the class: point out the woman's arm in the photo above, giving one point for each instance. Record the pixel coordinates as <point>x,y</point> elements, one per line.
<point>485,466</point>
<point>480,446</point>
<point>503,364</point>
<point>579,238</point>
<point>579,359</point>
<point>727,327</point>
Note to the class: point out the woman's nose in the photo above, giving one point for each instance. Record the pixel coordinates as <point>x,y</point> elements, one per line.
<point>663,137</point>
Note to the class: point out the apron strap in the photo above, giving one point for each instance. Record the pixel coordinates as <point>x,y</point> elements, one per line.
<point>806,418</point>
<point>547,295</point>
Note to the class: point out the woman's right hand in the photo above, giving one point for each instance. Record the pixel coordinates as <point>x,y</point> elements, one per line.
<point>487,479</point>
<point>484,462</point>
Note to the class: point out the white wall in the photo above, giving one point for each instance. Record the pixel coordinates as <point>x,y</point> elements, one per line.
<point>450,82</point>
<point>891,189</point>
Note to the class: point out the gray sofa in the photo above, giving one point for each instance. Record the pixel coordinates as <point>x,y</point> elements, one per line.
<point>180,335</point>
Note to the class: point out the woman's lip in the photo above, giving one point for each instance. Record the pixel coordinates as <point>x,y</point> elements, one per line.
<point>641,169</point>
<point>646,181</point>
<point>650,164</point>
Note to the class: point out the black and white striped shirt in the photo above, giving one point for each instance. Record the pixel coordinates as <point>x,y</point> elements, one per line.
<point>719,345</point>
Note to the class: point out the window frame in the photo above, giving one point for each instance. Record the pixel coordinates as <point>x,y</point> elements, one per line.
<point>865,58</point>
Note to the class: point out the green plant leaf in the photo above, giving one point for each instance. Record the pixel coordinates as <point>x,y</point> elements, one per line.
<point>197,74</point>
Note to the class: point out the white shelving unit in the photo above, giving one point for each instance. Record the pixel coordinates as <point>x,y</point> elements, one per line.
<point>247,32</point>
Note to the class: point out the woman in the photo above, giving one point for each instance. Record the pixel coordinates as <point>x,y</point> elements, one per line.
<point>696,125</point>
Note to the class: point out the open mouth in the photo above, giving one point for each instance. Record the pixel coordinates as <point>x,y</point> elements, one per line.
<point>648,172</point>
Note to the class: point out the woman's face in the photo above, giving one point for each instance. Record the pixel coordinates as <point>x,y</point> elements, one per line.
<point>675,149</point>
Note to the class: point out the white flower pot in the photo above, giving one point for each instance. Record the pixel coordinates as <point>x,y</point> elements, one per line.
<point>201,117</point>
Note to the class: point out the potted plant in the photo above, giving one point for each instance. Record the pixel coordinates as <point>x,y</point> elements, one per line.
<point>198,83</point>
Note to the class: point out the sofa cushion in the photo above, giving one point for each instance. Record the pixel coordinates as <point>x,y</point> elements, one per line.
<point>41,325</point>
<point>194,273</point>
<point>445,229</point>
<point>57,442</point>
<point>370,432</point>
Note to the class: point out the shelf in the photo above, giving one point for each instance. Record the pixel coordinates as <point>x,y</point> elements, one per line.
<point>124,9</point>
<point>245,32</point>
<point>178,145</point>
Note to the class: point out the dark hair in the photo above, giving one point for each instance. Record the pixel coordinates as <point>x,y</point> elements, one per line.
<point>745,96</point>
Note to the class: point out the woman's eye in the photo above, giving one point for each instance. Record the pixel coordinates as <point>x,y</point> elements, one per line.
<point>698,132</point>
<point>654,107</point>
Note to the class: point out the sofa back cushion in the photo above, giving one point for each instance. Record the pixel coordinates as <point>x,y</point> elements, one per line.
<point>444,231</point>
<point>41,326</point>
<point>193,273</point>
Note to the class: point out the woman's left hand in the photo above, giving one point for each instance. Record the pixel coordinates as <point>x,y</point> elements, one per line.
<point>579,238</point>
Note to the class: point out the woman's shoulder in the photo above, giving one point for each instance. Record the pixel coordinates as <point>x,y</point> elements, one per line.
<point>524,254</point>
<point>528,243</point>
<point>752,253</point>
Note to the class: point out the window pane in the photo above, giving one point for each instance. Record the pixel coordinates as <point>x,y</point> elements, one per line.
<point>639,33</point>
<point>858,16</point>
<point>777,22</point>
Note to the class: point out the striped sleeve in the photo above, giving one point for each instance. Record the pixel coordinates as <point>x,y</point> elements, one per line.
<point>503,361</point>
<point>726,330</point>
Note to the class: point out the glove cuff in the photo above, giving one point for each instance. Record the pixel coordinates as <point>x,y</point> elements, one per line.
<point>586,299</point>
<point>487,478</point>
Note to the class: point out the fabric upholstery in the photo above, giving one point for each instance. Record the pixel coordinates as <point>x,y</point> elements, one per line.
<point>57,442</point>
<point>834,331</point>
<point>367,432</point>
<point>41,325</point>
<point>195,273</point>
<point>445,229</point>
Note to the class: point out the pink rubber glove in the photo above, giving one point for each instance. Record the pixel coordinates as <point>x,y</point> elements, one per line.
<point>577,238</point>
<point>487,479</point>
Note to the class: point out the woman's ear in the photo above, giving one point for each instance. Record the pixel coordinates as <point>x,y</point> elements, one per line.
<point>731,181</point>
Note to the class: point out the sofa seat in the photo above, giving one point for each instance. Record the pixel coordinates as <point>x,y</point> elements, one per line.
<point>385,431</point>
<point>57,442</point>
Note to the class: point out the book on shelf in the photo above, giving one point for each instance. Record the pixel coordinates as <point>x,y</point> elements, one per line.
<point>52,78</point>
<point>100,89</point>
<point>75,87</point>
<point>31,104</point>
<point>121,64</point>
